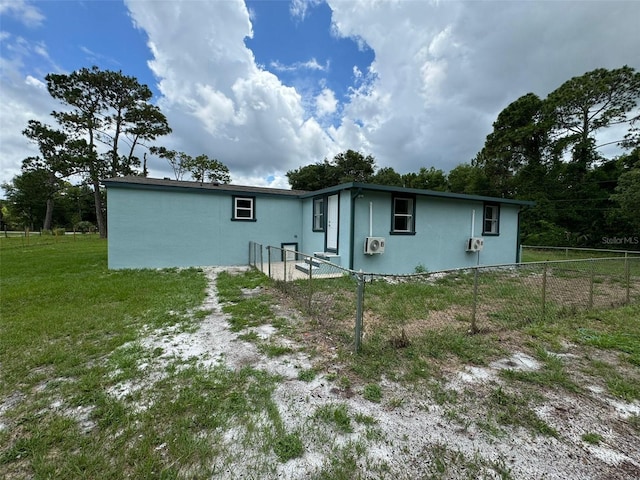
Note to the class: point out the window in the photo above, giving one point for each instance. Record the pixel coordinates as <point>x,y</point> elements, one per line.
<point>403,220</point>
<point>491,221</point>
<point>244,208</point>
<point>318,214</point>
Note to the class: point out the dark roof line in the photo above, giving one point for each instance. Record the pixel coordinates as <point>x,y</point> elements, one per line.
<point>432,193</point>
<point>145,182</point>
<point>166,183</point>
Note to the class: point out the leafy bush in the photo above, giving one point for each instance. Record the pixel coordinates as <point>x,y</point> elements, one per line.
<point>85,227</point>
<point>59,231</point>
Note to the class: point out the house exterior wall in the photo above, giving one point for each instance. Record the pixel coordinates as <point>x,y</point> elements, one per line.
<point>442,228</point>
<point>155,228</point>
<point>311,241</point>
<point>314,241</point>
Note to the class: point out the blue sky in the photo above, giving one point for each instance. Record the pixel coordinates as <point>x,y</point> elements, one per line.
<point>268,86</point>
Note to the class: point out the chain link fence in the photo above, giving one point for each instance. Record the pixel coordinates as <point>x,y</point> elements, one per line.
<point>354,305</point>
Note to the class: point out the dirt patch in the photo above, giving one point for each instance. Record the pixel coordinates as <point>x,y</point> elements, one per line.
<point>409,432</point>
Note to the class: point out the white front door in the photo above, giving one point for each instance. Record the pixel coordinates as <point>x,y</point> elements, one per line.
<point>332,224</point>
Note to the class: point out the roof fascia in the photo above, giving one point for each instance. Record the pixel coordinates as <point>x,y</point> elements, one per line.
<point>195,189</point>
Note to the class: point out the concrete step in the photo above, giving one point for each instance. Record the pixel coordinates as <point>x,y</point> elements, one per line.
<point>308,265</point>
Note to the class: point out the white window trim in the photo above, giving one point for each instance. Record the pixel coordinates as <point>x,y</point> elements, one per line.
<point>410,216</point>
<point>493,220</point>
<point>237,208</point>
<point>318,216</point>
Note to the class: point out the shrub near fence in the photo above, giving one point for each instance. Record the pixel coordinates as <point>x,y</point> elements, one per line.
<point>355,305</point>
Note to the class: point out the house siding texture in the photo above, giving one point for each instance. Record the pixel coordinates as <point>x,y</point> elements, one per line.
<point>442,229</point>
<point>162,223</point>
<point>177,228</point>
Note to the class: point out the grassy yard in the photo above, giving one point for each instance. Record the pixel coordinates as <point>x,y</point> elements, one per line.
<point>84,393</point>
<point>531,254</point>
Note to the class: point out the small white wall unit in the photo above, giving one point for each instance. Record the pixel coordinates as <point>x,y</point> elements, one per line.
<point>475,244</point>
<point>374,245</point>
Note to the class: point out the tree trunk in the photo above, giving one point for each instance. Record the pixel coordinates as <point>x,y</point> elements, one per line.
<point>48,216</point>
<point>102,224</point>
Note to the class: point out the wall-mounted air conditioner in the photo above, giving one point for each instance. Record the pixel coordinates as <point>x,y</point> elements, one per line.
<point>373,245</point>
<point>475,244</point>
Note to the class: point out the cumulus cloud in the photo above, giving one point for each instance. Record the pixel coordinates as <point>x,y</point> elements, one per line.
<point>442,72</point>
<point>445,70</point>
<point>217,99</point>
<point>326,102</point>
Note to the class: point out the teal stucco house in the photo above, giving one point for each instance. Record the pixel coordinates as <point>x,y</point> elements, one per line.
<point>377,229</point>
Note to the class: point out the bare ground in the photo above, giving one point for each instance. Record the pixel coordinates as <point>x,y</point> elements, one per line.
<point>414,436</point>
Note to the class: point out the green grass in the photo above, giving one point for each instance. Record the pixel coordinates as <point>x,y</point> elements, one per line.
<point>419,360</point>
<point>624,386</point>
<point>372,392</point>
<point>592,438</point>
<point>307,375</point>
<point>336,415</point>
<point>62,308</point>
<point>69,334</point>
<point>512,409</point>
<point>245,311</point>
<point>72,331</point>
<point>555,254</point>
<point>553,373</point>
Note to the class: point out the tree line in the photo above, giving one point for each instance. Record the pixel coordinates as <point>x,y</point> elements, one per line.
<point>105,120</point>
<point>541,149</point>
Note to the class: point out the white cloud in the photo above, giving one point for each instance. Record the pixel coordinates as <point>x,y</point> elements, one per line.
<point>308,65</point>
<point>442,72</point>
<point>326,103</point>
<point>34,82</point>
<point>446,69</point>
<point>22,10</point>
<point>217,100</point>
<point>299,8</point>
<point>24,98</point>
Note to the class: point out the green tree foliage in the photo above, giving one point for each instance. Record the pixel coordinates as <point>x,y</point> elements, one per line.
<point>427,179</point>
<point>468,179</point>
<point>179,161</point>
<point>627,191</point>
<point>545,150</point>
<point>387,176</point>
<point>517,150</point>
<point>203,168</point>
<point>53,160</point>
<point>108,108</point>
<point>353,166</point>
<point>586,104</point>
<point>313,177</point>
<point>349,166</point>
<point>27,196</point>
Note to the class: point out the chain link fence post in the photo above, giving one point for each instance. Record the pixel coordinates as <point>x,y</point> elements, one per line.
<point>627,278</point>
<point>474,328</point>
<point>359,310</point>
<point>310,284</point>
<point>592,274</point>
<point>544,291</point>
<point>284,271</point>
<point>269,260</point>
